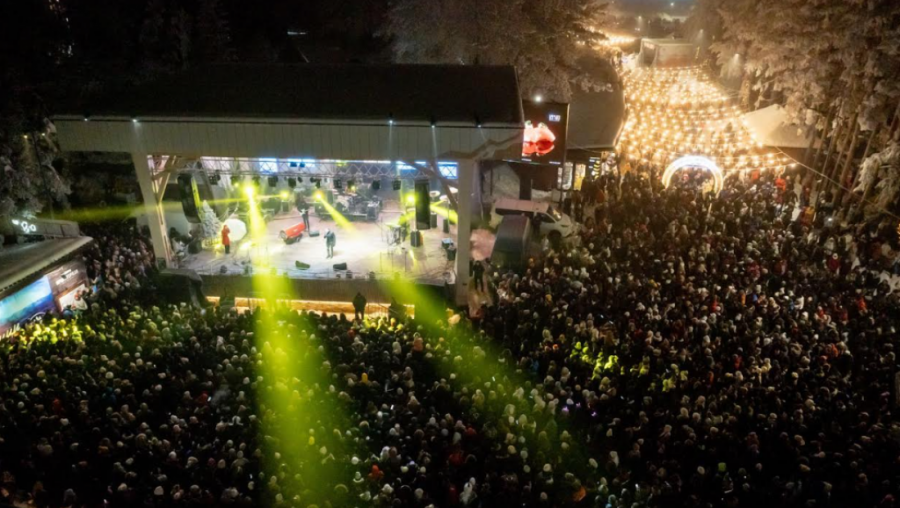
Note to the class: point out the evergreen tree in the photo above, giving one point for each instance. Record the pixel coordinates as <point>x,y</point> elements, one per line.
<point>209,222</point>
<point>539,38</point>
<point>213,34</point>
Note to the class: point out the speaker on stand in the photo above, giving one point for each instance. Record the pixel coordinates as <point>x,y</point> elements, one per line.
<point>423,205</point>
<point>190,197</point>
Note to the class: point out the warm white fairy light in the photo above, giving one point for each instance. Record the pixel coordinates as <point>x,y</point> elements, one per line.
<point>678,112</point>
<point>615,40</point>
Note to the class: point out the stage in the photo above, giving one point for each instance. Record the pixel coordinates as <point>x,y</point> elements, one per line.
<point>363,246</point>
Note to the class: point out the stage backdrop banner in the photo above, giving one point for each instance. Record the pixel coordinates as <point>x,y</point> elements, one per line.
<point>546,126</point>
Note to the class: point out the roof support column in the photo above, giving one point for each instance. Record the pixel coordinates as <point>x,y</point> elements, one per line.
<point>156,219</point>
<point>465,177</point>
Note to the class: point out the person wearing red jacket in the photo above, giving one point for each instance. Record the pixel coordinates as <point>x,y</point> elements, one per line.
<point>226,240</point>
<point>834,264</point>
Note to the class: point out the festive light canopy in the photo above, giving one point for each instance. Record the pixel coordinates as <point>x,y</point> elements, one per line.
<point>679,112</point>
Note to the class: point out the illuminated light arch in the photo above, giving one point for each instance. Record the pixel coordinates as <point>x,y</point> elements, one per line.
<point>695,161</point>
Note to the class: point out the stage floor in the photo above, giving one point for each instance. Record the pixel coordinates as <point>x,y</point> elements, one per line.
<point>364,248</point>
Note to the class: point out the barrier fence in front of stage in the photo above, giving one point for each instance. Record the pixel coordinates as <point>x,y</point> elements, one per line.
<point>395,262</point>
<point>321,290</point>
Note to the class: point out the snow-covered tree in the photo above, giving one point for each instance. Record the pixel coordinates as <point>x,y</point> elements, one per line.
<point>209,221</point>
<point>29,182</point>
<point>833,64</point>
<point>541,39</point>
<point>880,174</point>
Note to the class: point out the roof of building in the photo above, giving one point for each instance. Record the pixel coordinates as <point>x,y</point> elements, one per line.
<point>442,93</point>
<point>595,119</point>
<point>772,127</point>
<point>20,262</point>
<point>670,42</point>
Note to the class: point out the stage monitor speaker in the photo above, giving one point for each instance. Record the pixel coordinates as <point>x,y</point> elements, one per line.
<point>340,266</point>
<point>423,205</point>
<point>190,197</point>
<point>301,265</point>
<point>416,239</point>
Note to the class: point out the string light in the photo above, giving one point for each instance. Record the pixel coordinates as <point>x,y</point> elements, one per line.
<point>677,112</point>
<point>615,40</point>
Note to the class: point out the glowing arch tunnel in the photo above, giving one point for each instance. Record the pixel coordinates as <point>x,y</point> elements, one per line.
<point>695,161</point>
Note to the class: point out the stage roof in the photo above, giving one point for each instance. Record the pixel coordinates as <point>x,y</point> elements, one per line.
<point>444,93</point>
<point>340,112</point>
<point>19,262</point>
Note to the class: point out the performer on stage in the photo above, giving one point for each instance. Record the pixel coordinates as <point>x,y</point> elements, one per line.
<point>306,217</point>
<point>330,241</point>
<point>226,240</point>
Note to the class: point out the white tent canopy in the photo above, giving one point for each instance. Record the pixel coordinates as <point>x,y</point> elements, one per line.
<point>772,127</point>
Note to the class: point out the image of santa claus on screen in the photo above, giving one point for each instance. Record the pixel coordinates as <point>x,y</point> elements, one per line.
<point>539,140</point>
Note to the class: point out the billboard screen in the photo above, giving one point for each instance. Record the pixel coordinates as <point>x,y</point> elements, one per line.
<point>27,304</point>
<point>546,124</point>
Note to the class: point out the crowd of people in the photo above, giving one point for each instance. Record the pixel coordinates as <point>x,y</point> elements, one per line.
<point>688,350</point>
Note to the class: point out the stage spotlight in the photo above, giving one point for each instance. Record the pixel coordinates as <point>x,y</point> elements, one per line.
<point>256,181</point>
<point>396,184</point>
<point>249,190</point>
<point>318,196</point>
<point>318,184</point>
<point>411,199</point>
<point>214,179</point>
<point>376,185</point>
<point>338,184</point>
<point>284,195</point>
<point>273,181</point>
<point>351,184</point>
<point>292,182</point>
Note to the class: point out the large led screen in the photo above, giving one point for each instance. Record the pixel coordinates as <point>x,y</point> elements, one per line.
<point>29,303</point>
<point>546,124</point>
